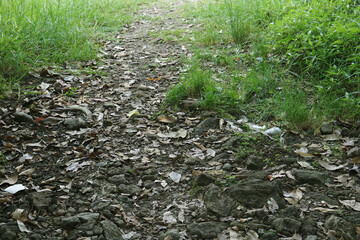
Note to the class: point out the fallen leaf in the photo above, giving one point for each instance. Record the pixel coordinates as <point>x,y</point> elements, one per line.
<point>305,165</point>
<point>351,203</point>
<point>133,113</point>
<point>27,172</point>
<point>15,188</point>
<point>175,176</point>
<point>303,152</point>
<point>355,160</point>
<point>22,227</point>
<point>166,119</point>
<point>272,205</point>
<point>330,167</point>
<point>11,180</point>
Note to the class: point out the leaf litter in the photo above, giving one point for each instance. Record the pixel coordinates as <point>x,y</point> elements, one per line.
<point>131,168</point>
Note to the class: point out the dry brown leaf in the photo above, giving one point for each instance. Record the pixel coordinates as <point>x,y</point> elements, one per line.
<point>330,167</point>
<point>27,172</point>
<point>11,180</point>
<point>355,160</point>
<point>351,203</point>
<point>166,119</point>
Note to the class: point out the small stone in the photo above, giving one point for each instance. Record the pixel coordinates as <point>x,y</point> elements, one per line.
<point>342,228</point>
<point>354,152</point>
<point>70,222</point>
<point>327,128</point>
<point>209,123</point>
<point>74,123</point>
<point>130,189</point>
<point>286,225</point>
<point>256,193</point>
<point>118,179</point>
<point>311,237</point>
<point>41,200</point>
<point>190,161</point>
<point>171,234</point>
<point>23,117</point>
<point>345,132</point>
<point>111,231</point>
<point>206,230</point>
<point>254,163</point>
<point>218,202</point>
<point>269,236</point>
<point>88,216</point>
<point>311,177</point>
<point>203,179</point>
<point>8,231</point>
<point>227,167</point>
<point>355,133</point>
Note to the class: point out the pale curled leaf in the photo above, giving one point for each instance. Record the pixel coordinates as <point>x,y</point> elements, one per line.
<point>15,188</point>
<point>22,227</point>
<point>330,167</point>
<point>351,203</point>
<point>11,180</point>
<point>166,119</point>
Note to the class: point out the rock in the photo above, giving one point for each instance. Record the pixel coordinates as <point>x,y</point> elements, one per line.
<point>309,226</point>
<point>286,225</point>
<point>23,117</point>
<point>171,234</point>
<point>74,123</point>
<point>111,231</point>
<point>8,231</point>
<point>291,212</point>
<point>227,167</point>
<point>311,237</point>
<point>41,200</point>
<point>218,202</point>
<point>88,216</point>
<point>342,228</point>
<point>345,132</point>
<point>255,193</point>
<point>269,236</point>
<point>327,128</point>
<point>118,179</point>
<point>254,163</point>
<point>70,222</point>
<point>311,177</point>
<point>206,230</point>
<point>354,133</point>
<point>209,123</point>
<point>203,179</point>
<point>354,152</point>
<point>130,189</point>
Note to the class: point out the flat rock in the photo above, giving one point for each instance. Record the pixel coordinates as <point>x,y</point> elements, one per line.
<point>118,179</point>
<point>342,228</point>
<point>111,231</point>
<point>218,202</point>
<point>311,177</point>
<point>354,152</point>
<point>327,128</point>
<point>207,124</point>
<point>23,117</point>
<point>203,179</point>
<point>88,216</point>
<point>171,234</point>
<point>206,230</point>
<point>254,163</point>
<point>74,123</point>
<point>41,200</point>
<point>286,225</point>
<point>130,189</point>
<point>9,231</point>
<point>255,193</point>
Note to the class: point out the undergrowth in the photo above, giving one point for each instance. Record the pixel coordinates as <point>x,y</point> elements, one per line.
<point>295,60</point>
<point>38,33</point>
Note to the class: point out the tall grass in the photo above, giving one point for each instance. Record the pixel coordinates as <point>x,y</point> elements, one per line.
<point>40,32</point>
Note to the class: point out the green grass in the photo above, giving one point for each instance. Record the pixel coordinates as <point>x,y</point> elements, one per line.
<point>296,61</point>
<point>37,33</point>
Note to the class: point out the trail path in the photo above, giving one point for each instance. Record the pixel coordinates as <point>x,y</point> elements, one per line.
<point>99,163</point>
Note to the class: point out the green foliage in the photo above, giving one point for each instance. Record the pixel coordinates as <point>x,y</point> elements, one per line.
<point>40,32</point>
<point>199,84</point>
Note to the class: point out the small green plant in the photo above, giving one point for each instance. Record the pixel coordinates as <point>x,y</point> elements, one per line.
<point>315,164</point>
<point>71,92</point>
<point>3,162</point>
<point>228,180</point>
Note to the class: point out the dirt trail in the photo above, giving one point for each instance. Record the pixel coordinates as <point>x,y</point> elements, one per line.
<point>98,163</point>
